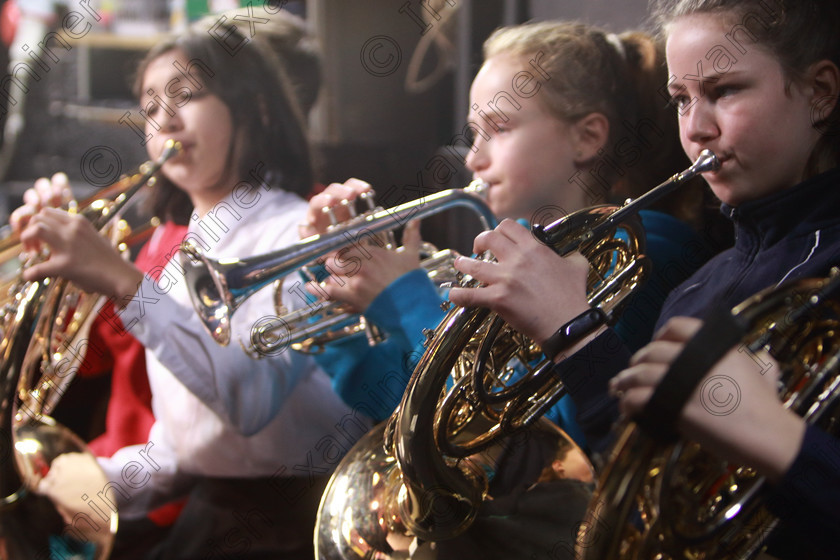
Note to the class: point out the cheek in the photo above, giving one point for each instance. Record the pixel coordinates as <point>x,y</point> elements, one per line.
<point>154,146</point>
<point>684,141</point>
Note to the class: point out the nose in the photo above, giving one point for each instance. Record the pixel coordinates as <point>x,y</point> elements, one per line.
<point>478,158</point>
<point>168,118</point>
<point>699,122</point>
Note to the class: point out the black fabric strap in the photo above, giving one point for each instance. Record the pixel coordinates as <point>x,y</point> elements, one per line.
<point>720,332</point>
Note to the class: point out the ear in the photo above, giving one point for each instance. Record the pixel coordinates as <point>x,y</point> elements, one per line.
<point>824,79</point>
<point>589,134</point>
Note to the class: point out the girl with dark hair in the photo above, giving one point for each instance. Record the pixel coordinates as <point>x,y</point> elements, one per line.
<point>243,439</point>
<point>757,82</point>
<point>268,126</point>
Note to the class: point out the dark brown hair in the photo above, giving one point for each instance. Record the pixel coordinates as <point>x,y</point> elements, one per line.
<point>290,39</point>
<point>252,85</point>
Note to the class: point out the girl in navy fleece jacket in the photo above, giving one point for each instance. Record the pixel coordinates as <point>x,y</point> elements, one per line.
<point>757,82</point>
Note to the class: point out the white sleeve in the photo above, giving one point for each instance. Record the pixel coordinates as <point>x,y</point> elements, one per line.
<point>144,477</point>
<point>243,391</point>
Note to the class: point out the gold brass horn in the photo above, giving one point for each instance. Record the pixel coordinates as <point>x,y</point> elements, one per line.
<point>219,286</point>
<point>428,480</point>
<point>44,333</point>
<point>660,499</point>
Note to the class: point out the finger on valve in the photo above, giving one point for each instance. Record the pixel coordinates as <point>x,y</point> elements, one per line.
<point>411,240</point>
<point>54,192</point>
<point>44,193</point>
<point>335,204</point>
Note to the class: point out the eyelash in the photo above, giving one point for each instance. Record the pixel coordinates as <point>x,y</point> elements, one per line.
<point>677,101</point>
<point>723,90</point>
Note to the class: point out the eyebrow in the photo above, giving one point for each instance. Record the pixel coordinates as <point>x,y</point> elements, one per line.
<point>679,84</point>
<point>731,74</point>
<point>490,114</point>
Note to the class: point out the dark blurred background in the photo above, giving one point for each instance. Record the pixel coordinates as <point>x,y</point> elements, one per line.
<point>396,81</point>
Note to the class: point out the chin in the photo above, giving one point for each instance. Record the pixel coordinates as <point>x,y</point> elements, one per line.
<point>497,209</point>
<point>727,196</point>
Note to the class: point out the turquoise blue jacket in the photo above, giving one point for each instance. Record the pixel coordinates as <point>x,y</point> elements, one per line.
<point>371,379</point>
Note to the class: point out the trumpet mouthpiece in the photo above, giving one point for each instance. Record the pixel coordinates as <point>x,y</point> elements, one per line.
<point>707,161</point>
<point>170,148</point>
<point>479,187</point>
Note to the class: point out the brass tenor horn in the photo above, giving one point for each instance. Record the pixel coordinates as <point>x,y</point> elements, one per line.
<point>428,480</point>
<point>219,286</point>
<point>657,498</point>
<point>44,330</point>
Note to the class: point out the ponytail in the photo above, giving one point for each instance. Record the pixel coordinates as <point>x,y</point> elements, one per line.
<point>663,156</point>
<point>620,77</point>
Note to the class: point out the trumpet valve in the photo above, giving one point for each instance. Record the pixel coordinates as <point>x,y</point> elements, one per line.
<point>368,199</point>
<point>350,208</point>
<point>331,214</point>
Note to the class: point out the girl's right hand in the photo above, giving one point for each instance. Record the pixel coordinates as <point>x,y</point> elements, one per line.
<point>735,412</point>
<point>78,253</point>
<point>54,192</point>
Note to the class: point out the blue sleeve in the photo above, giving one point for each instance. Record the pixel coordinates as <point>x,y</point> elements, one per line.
<point>372,379</point>
<point>564,414</point>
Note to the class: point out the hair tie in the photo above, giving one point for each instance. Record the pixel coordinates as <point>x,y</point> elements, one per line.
<point>616,42</point>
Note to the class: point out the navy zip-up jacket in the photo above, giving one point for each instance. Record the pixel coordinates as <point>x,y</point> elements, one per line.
<point>785,236</point>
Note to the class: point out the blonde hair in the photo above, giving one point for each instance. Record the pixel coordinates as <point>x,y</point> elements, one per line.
<point>619,76</point>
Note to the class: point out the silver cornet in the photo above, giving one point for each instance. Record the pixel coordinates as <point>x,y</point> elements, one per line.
<point>219,286</point>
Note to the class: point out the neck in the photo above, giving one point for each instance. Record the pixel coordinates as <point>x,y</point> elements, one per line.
<point>204,200</point>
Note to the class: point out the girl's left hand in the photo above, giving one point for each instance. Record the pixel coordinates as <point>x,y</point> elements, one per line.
<point>735,411</point>
<point>358,274</point>
<point>78,253</point>
<point>529,285</point>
